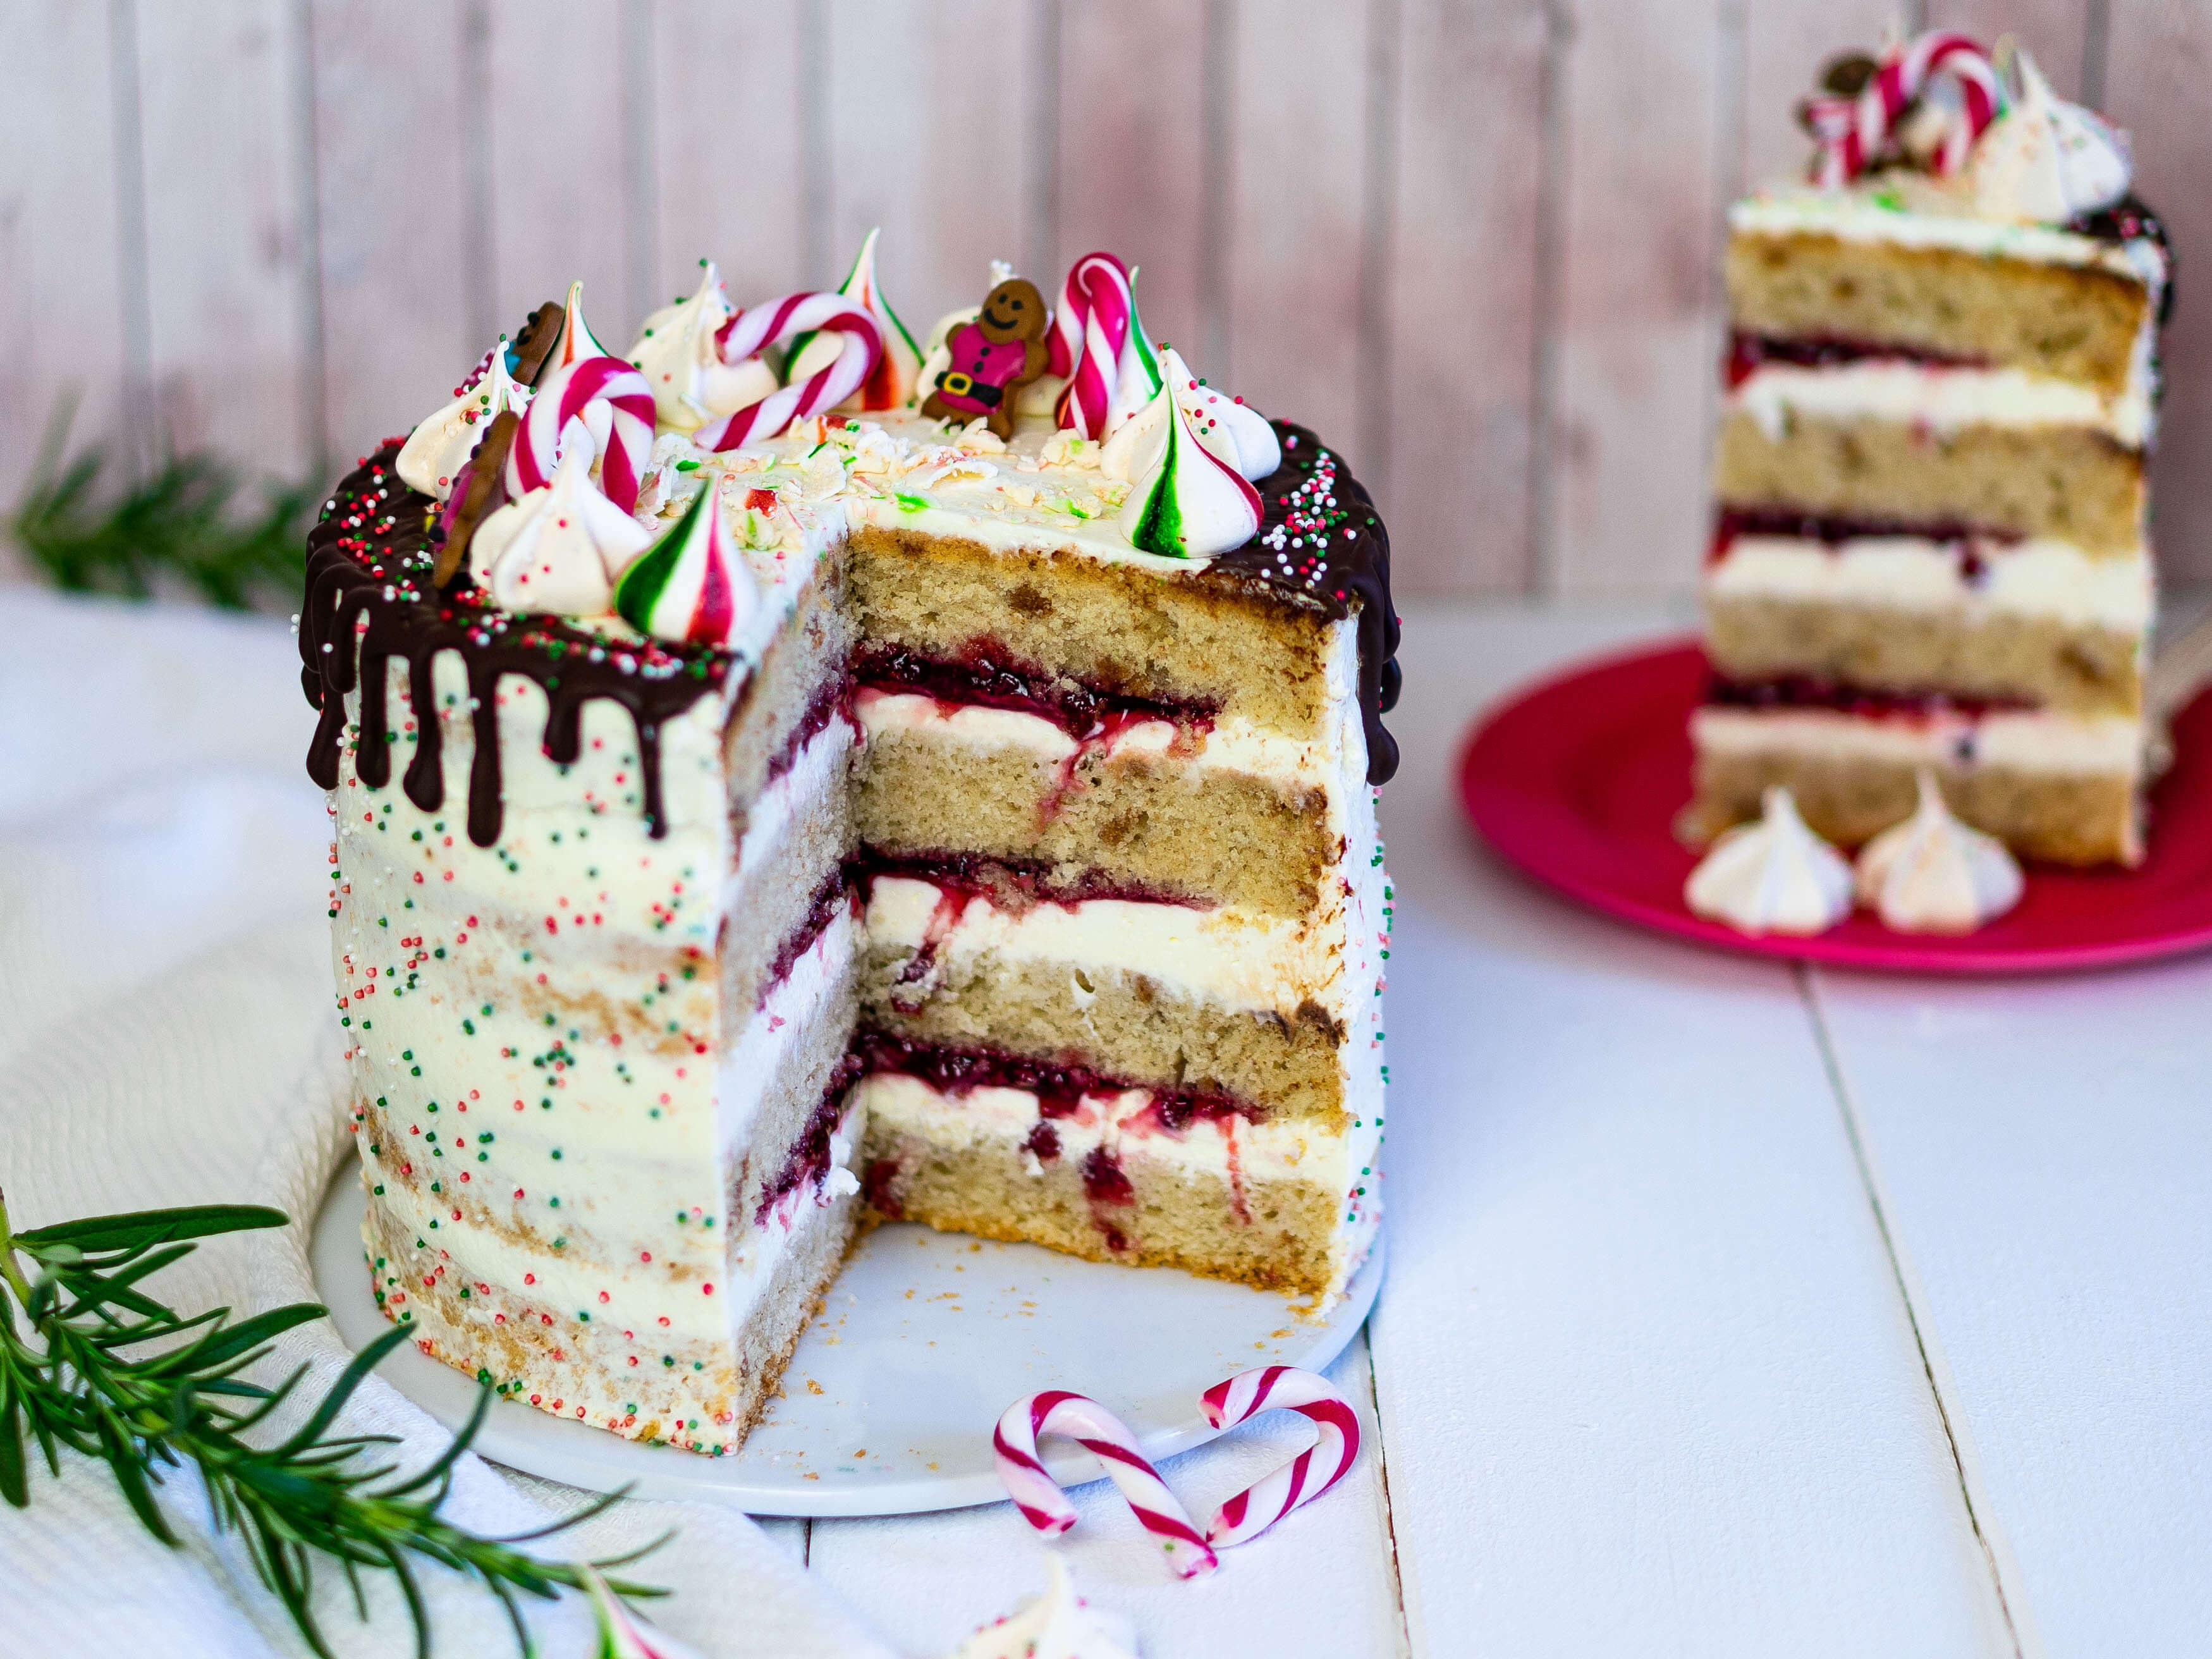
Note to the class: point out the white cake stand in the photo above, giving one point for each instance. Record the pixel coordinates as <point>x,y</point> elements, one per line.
<point>888,1404</point>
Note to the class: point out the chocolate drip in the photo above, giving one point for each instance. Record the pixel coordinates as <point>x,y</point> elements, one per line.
<point>369,579</point>
<point>1342,558</point>
<point>2129,220</point>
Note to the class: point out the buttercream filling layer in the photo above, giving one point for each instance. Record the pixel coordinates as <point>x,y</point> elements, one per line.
<point>2039,578</point>
<point>2016,739</point>
<point>1235,958</point>
<point>1228,1145</point>
<point>1943,400</point>
<point>1227,744</point>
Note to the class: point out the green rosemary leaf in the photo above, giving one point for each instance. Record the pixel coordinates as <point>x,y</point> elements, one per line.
<point>183,522</point>
<point>12,1484</point>
<point>233,1344</point>
<point>137,1232</point>
<point>341,1391</point>
<point>90,1360</point>
<point>122,1458</point>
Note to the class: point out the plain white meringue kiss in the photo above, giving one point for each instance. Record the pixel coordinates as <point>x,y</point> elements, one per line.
<point>559,549</point>
<point>1057,1624</point>
<point>1772,877</point>
<point>1932,874</point>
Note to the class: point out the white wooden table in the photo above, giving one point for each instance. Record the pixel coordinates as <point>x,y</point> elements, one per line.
<point>1732,1310</point>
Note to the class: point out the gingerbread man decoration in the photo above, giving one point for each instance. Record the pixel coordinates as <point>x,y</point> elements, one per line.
<point>992,358</point>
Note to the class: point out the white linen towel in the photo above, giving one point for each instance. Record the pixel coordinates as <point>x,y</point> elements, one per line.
<point>167,1037</point>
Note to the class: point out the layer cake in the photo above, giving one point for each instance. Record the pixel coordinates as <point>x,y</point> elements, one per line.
<point>1930,546</point>
<point>761,806</point>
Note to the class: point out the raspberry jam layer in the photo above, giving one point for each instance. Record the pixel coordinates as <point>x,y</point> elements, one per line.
<point>834,894</point>
<point>810,1159</point>
<point>1012,885</point>
<point>1749,352</point>
<point>1059,1086</point>
<point>1731,522</point>
<point>1805,691</point>
<point>987,676</point>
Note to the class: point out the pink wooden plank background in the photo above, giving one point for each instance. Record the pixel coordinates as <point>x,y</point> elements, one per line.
<point>1474,242</point>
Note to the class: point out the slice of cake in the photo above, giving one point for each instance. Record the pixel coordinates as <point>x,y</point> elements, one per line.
<point>1931,547</point>
<point>748,785</point>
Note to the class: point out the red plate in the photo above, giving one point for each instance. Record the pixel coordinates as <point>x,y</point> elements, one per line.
<point>1579,779</point>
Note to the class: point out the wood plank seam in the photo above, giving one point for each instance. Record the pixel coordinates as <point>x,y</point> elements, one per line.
<point>2010,1597</point>
<point>1378,213</point>
<point>1215,298</point>
<point>1040,196</point>
<point>1544,559</point>
<point>139,439</point>
<point>2096,36</point>
<point>480,256</point>
<point>1405,1630</point>
<point>641,161</point>
<point>307,184</point>
<point>814,202</point>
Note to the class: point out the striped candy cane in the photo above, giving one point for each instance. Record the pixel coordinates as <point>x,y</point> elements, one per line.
<point>1090,1425</point>
<point>1305,1477</point>
<point>607,401</point>
<point>1089,330</point>
<point>779,322</point>
<point>1851,130</point>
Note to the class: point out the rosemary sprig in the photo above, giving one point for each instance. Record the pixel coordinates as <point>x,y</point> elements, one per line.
<point>184,521</point>
<point>82,1367</point>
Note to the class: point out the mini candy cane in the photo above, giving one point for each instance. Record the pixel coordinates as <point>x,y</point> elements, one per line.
<point>610,404</point>
<point>1305,1477</point>
<point>1090,1425</point>
<point>781,321</point>
<point>1097,304</point>
<point>1852,129</point>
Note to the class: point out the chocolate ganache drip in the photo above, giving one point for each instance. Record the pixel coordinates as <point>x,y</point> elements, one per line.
<point>1322,541</point>
<point>371,597</point>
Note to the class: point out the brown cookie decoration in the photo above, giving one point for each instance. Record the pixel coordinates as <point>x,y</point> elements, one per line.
<point>536,342</point>
<point>479,492</point>
<point>992,358</point>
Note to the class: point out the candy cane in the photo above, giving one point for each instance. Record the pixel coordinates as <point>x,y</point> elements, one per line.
<point>1305,1477</point>
<point>781,321</point>
<point>1851,130</point>
<point>1090,1425</point>
<point>610,404</point>
<point>1088,332</point>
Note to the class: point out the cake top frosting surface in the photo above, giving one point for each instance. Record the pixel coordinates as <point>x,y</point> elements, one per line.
<point>640,527</point>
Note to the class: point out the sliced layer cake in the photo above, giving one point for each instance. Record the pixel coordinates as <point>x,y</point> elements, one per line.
<point>1930,549</point>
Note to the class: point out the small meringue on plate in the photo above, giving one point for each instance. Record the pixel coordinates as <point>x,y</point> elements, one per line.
<point>1932,874</point>
<point>1772,877</point>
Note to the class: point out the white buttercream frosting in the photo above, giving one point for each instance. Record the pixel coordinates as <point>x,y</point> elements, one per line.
<point>436,450</point>
<point>1772,877</point>
<point>2018,739</point>
<point>1939,398</point>
<point>681,359</point>
<point>559,548</point>
<point>1932,874</point>
<point>2040,578</point>
<point>1055,1624</point>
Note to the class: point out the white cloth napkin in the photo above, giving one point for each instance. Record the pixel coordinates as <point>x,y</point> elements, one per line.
<point>167,1037</point>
